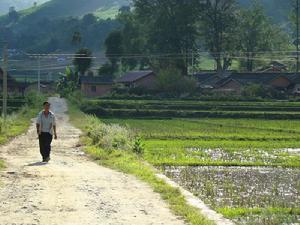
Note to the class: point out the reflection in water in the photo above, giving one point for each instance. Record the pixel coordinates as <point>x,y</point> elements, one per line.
<point>242,187</point>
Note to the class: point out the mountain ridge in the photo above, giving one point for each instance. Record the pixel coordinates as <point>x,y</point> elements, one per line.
<point>278,10</point>
<point>18,4</point>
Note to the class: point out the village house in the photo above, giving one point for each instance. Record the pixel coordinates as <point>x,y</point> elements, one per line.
<point>13,87</point>
<point>234,81</point>
<point>95,86</point>
<point>145,79</point>
<point>274,66</point>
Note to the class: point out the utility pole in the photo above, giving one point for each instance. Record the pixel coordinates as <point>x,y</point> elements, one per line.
<point>297,41</point>
<point>39,74</point>
<point>193,63</point>
<point>4,81</point>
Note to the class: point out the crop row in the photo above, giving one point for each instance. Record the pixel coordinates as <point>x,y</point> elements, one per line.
<point>168,113</point>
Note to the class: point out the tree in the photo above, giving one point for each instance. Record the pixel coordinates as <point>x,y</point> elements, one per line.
<point>13,15</point>
<point>258,34</point>
<point>170,81</point>
<point>219,30</point>
<point>68,83</point>
<point>76,38</point>
<point>295,18</point>
<point>114,48</point>
<point>106,71</point>
<point>133,40</point>
<point>169,29</point>
<point>89,19</point>
<point>83,60</point>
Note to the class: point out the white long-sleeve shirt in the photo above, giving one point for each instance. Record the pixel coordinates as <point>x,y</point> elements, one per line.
<point>46,123</point>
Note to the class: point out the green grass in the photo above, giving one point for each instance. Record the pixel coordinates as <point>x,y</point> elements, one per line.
<point>19,121</point>
<point>15,125</point>
<point>191,109</point>
<point>107,12</point>
<point>128,162</point>
<point>200,141</point>
<point>238,212</point>
<point>207,63</point>
<point>187,141</point>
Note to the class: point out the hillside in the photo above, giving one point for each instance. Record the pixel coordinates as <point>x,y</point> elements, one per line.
<point>61,19</point>
<point>278,10</point>
<point>30,31</point>
<point>18,4</point>
<point>64,8</point>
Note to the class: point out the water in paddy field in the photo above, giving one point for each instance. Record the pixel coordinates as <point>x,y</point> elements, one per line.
<point>244,187</point>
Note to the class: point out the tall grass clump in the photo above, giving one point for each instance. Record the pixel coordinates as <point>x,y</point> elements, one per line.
<point>109,136</point>
<point>6,123</point>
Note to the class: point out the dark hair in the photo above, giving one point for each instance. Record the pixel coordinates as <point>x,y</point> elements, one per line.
<point>46,103</point>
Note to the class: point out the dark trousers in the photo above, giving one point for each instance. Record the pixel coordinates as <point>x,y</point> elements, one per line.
<point>45,140</point>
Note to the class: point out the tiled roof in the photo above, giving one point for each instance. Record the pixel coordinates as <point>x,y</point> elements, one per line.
<point>259,78</point>
<point>133,76</point>
<point>201,77</point>
<point>212,80</point>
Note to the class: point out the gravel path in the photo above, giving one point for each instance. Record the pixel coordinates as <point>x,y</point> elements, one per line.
<point>71,189</point>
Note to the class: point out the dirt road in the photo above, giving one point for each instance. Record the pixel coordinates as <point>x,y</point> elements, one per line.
<point>71,190</point>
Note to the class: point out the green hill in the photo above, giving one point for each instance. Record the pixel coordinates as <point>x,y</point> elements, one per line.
<point>64,8</point>
<point>278,10</point>
<point>50,26</point>
<point>18,4</point>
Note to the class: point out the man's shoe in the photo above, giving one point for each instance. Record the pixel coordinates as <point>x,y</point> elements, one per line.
<point>47,159</point>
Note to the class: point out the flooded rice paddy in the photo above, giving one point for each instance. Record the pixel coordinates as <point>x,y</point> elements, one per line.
<point>248,195</point>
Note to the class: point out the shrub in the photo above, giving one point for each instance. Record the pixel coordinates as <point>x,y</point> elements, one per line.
<point>171,81</point>
<point>254,90</point>
<point>138,146</point>
<point>6,123</point>
<point>75,97</point>
<point>34,99</point>
<point>109,136</point>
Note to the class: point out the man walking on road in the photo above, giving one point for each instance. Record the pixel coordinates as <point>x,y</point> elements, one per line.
<point>46,126</point>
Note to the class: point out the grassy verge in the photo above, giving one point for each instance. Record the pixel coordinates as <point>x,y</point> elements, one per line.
<point>18,122</point>
<point>238,212</point>
<point>130,163</point>
<point>15,125</point>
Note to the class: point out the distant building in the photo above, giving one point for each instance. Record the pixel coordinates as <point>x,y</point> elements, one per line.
<point>146,79</point>
<point>46,87</point>
<point>234,82</point>
<point>95,86</point>
<point>13,87</point>
<point>274,66</point>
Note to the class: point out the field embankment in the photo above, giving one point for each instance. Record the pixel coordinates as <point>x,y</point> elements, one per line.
<point>129,160</point>
<point>241,158</point>
<point>191,109</point>
<point>71,189</point>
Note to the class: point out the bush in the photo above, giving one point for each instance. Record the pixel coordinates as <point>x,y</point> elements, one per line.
<point>138,146</point>
<point>109,136</point>
<point>172,82</point>
<point>260,91</point>
<point>75,97</point>
<point>34,99</point>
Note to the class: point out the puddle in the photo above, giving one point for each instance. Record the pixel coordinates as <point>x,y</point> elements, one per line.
<point>241,187</point>
<point>292,151</point>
